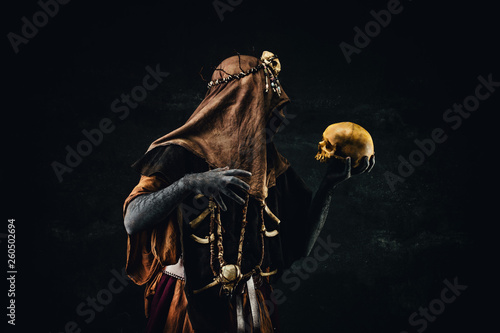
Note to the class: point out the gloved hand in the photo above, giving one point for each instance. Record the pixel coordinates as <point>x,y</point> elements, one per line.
<point>214,182</point>
<point>337,170</point>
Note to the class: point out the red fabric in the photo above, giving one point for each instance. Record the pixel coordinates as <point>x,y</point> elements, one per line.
<point>161,304</point>
<point>168,311</point>
<point>150,250</point>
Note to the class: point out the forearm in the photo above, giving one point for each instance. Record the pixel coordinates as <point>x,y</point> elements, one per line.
<point>337,172</point>
<point>318,212</point>
<point>147,210</point>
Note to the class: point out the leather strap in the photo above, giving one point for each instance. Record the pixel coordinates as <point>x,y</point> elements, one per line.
<point>254,305</point>
<point>240,319</point>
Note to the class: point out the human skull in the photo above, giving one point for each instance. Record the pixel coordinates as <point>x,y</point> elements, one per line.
<point>344,139</point>
<point>272,61</point>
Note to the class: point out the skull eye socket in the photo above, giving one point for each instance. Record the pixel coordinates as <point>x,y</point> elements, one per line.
<point>274,63</point>
<point>328,145</point>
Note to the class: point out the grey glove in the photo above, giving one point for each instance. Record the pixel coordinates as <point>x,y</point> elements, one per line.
<point>148,210</point>
<point>214,182</point>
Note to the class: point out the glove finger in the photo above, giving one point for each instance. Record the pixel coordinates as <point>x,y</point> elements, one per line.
<point>348,169</point>
<point>372,163</point>
<point>237,172</point>
<point>220,202</point>
<point>238,182</point>
<point>230,194</point>
<point>221,169</point>
<point>363,166</point>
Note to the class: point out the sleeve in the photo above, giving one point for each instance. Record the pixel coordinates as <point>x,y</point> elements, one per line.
<point>294,201</point>
<point>146,185</point>
<point>149,250</point>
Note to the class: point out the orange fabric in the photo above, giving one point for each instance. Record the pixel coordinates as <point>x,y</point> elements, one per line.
<point>150,250</point>
<point>146,185</point>
<point>177,318</point>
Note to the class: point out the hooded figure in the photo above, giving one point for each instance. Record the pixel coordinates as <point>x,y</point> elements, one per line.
<point>208,262</point>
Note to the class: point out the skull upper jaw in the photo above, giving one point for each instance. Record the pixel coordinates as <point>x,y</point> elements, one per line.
<point>325,151</point>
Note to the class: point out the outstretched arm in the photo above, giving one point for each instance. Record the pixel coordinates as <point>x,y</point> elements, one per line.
<point>336,173</point>
<point>147,210</point>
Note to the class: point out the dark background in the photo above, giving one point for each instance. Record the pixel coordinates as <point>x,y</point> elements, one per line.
<point>397,247</point>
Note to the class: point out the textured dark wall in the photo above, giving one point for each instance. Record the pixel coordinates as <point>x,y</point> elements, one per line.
<point>397,244</point>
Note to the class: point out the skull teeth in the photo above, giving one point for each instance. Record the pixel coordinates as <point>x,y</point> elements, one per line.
<point>321,157</point>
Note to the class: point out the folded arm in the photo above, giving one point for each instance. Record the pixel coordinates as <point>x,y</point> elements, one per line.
<point>147,210</point>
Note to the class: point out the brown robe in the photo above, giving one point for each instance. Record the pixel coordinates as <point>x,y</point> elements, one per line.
<point>228,128</point>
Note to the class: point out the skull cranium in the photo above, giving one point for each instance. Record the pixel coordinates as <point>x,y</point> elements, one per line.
<point>272,61</point>
<point>344,139</point>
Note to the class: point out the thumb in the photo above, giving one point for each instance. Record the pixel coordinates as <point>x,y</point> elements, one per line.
<point>347,169</point>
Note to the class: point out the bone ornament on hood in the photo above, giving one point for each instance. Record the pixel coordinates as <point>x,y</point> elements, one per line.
<point>345,139</point>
